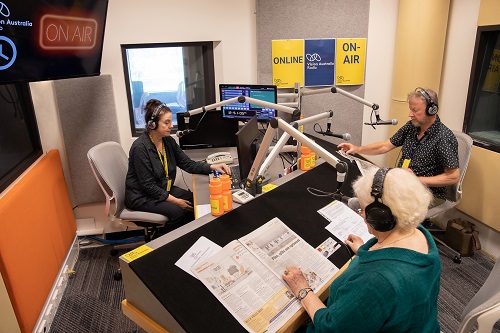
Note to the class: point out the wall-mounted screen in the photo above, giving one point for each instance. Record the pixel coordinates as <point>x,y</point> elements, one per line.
<point>47,40</point>
<point>245,111</point>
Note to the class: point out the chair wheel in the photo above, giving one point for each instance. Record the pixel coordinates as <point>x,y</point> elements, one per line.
<point>457,260</point>
<point>117,276</point>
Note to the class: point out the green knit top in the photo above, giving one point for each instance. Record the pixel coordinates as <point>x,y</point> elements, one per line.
<point>385,290</point>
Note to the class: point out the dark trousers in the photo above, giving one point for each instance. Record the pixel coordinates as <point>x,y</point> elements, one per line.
<point>176,215</point>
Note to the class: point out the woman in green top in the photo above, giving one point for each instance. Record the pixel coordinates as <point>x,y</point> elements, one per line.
<point>392,284</point>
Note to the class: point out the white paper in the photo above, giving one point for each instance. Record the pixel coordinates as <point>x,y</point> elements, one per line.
<point>202,210</point>
<point>202,249</point>
<point>344,221</point>
<point>245,275</point>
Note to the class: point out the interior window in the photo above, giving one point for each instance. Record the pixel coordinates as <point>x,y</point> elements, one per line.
<point>180,75</point>
<point>482,116</point>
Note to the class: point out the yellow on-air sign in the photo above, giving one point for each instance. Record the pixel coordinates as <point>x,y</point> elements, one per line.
<point>350,61</point>
<point>288,62</point>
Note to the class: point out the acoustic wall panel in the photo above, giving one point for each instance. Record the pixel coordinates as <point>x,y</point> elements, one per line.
<point>88,117</point>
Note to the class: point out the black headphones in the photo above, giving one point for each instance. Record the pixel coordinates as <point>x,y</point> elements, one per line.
<point>378,215</point>
<point>431,108</point>
<point>153,121</point>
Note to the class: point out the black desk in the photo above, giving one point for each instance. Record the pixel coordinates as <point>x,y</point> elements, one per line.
<point>186,299</point>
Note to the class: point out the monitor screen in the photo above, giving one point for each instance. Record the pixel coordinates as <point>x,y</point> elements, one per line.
<point>211,131</point>
<point>246,111</point>
<point>246,139</point>
<point>51,39</point>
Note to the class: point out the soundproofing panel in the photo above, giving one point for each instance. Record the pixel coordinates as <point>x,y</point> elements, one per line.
<point>315,19</point>
<point>88,117</point>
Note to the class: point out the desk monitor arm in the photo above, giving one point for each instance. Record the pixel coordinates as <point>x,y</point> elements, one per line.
<point>242,99</point>
<point>334,89</point>
<point>339,165</point>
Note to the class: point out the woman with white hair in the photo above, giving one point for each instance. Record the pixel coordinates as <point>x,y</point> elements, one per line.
<point>392,284</point>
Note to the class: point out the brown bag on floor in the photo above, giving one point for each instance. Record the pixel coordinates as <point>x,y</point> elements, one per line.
<point>462,236</point>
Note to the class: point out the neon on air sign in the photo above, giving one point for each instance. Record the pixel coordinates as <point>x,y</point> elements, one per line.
<point>59,32</point>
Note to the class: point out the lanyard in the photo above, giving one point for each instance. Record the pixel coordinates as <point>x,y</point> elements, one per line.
<point>162,155</point>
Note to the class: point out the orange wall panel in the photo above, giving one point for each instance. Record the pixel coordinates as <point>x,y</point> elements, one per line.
<point>37,228</point>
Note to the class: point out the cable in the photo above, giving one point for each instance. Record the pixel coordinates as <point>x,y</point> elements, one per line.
<point>319,193</point>
<point>351,254</point>
<point>114,242</point>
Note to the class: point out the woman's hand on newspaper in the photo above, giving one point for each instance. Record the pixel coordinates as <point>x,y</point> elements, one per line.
<point>354,242</point>
<point>295,279</point>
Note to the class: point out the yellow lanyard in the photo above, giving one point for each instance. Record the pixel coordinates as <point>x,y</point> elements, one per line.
<point>162,155</point>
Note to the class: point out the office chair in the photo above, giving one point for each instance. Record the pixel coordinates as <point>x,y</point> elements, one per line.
<point>484,307</point>
<point>454,192</point>
<point>110,164</point>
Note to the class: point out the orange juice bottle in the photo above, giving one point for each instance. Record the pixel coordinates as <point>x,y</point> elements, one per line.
<point>216,201</point>
<point>227,196</point>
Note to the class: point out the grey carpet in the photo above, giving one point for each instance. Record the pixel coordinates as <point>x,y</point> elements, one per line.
<point>92,299</point>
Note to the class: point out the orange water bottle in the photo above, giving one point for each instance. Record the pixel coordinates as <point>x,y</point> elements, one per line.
<point>227,196</point>
<point>216,201</point>
<point>313,157</point>
<point>305,158</point>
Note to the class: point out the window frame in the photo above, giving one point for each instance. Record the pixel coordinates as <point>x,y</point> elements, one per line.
<point>475,76</point>
<point>208,74</point>
<point>26,104</point>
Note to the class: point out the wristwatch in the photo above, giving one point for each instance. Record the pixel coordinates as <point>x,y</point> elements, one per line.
<point>303,293</point>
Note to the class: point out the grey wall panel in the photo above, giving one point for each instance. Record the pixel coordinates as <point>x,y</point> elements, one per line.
<point>293,19</point>
<point>88,117</point>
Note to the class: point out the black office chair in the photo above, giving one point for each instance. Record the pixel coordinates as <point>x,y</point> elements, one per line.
<point>454,192</point>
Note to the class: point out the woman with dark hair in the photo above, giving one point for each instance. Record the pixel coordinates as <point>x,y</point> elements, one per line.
<point>153,161</point>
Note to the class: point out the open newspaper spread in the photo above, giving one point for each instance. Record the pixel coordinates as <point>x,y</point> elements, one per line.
<point>245,275</point>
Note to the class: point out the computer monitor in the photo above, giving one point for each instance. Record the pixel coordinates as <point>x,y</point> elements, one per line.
<point>211,130</point>
<point>246,139</point>
<point>245,111</point>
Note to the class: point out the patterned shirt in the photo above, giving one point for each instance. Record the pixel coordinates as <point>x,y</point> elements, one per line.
<point>436,151</point>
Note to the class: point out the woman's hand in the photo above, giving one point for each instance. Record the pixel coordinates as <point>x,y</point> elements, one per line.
<point>354,242</point>
<point>295,279</point>
<point>222,167</point>
<point>184,204</point>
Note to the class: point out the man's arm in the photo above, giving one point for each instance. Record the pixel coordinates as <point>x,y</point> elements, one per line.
<point>372,149</point>
<point>448,177</point>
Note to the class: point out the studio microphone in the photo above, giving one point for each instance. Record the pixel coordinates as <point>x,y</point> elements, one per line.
<point>384,122</point>
<point>344,136</point>
<point>353,203</point>
<point>180,134</point>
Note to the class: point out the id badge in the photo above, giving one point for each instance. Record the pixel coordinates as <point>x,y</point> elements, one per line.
<point>169,185</point>
<point>406,163</point>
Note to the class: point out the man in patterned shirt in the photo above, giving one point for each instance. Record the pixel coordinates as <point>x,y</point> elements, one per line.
<point>429,148</point>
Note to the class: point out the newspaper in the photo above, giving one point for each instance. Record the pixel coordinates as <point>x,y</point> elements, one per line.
<point>245,275</point>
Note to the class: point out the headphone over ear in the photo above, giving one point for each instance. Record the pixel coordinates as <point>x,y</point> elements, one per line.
<point>153,121</point>
<point>432,108</point>
<point>378,215</point>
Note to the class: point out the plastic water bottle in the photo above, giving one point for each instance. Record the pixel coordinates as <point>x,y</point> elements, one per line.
<point>216,201</point>
<point>227,196</point>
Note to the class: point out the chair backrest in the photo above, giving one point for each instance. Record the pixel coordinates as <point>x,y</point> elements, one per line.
<point>486,299</point>
<point>109,162</point>
<point>454,192</point>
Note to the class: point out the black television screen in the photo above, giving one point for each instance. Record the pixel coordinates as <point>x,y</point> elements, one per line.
<point>246,139</point>
<point>246,111</point>
<point>50,39</point>
<point>210,130</point>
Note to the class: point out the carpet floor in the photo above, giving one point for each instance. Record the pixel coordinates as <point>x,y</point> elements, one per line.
<point>92,300</point>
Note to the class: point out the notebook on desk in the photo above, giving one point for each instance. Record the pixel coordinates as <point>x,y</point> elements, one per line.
<point>362,164</point>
